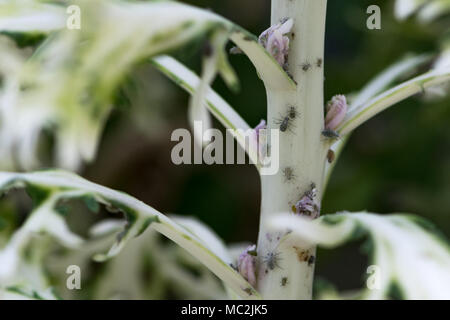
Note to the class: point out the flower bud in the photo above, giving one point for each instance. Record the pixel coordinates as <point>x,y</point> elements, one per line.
<point>335,112</point>
<point>247,264</point>
<point>276,42</point>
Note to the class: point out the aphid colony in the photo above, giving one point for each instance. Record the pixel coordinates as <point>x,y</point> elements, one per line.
<point>305,256</point>
<point>307,205</point>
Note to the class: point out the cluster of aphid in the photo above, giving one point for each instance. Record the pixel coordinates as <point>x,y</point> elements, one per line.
<point>305,256</point>
<point>307,205</point>
<point>247,266</point>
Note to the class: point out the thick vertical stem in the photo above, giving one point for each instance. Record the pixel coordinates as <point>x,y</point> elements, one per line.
<point>285,270</point>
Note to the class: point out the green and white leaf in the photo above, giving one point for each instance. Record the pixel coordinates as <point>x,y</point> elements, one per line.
<point>443,62</point>
<point>73,95</point>
<point>410,254</point>
<point>219,108</point>
<point>28,281</point>
<point>147,268</point>
<point>51,187</point>
<point>374,87</point>
<point>358,116</point>
<point>386,78</point>
<point>30,16</point>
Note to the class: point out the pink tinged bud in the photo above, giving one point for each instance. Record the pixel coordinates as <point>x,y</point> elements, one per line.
<point>247,264</point>
<point>276,42</point>
<point>336,110</point>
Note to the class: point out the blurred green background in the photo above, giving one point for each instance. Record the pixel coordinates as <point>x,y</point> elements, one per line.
<point>397,162</point>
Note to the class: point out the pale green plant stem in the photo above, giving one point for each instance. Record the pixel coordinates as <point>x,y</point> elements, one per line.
<point>302,148</point>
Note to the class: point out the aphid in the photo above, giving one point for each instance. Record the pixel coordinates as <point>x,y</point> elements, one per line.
<point>330,134</point>
<point>311,260</point>
<point>272,259</point>
<point>319,62</point>
<point>284,123</point>
<point>292,112</point>
<point>235,268</point>
<point>302,255</point>
<point>248,291</point>
<point>306,66</point>
<point>331,156</point>
<point>284,281</point>
<point>288,173</point>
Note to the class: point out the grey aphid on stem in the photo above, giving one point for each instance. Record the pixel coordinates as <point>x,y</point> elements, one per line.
<point>272,259</point>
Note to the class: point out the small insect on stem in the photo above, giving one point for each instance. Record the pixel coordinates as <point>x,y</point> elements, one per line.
<point>285,121</point>
<point>235,268</point>
<point>288,173</point>
<point>330,134</point>
<point>331,156</point>
<point>306,66</point>
<point>272,259</point>
<point>284,124</point>
<point>319,62</point>
<point>311,260</point>
<point>292,112</point>
<point>248,291</point>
